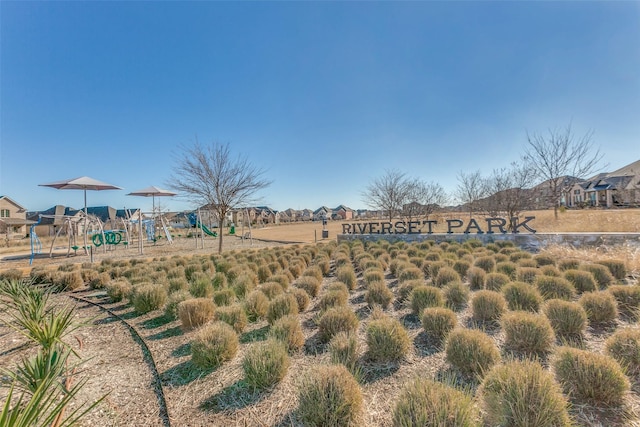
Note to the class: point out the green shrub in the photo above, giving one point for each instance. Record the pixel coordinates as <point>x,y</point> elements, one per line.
<point>233,315</point>
<point>471,351</point>
<point>329,396</point>
<point>477,278</point>
<point>213,345</point>
<point>335,320</point>
<point>387,340</point>
<point>347,276</point>
<point>119,290</point>
<point>265,364</point>
<point>147,298</point>
<point>527,333</point>
<point>171,307</point>
<point>428,403</point>
<point>195,312</point>
<point>627,297</point>
<point>288,330</point>
<point>617,268</point>
<point>425,296</point>
<point>256,305</point>
<point>437,322</point>
<point>495,281</point>
<point>601,307</point>
<point>555,287</point>
<point>527,274</point>
<point>310,284</point>
<point>522,393</point>
<point>224,297</point>
<point>590,377</point>
<point>582,280</point>
<point>624,346</point>
<point>302,297</point>
<point>445,276</point>
<point>603,276</point>
<point>343,349</point>
<point>456,295</point>
<point>378,294</point>
<point>488,306</point>
<point>282,305</point>
<point>522,296</point>
<point>568,319</point>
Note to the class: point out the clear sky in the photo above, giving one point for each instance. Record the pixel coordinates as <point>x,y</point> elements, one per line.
<point>322,95</point>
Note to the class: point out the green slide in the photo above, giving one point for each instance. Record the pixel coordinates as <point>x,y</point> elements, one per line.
<point>206,230</point>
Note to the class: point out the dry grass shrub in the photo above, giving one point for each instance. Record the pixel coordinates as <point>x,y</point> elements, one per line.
<point>488,306</point>
<point>405,289</point>
<point>582,280</point>
<point>437,322</point>
<point>333,298</point>
<point>425,296</point>
<point>264,273</point>
<point>410,273</point>
<point>201,287</point>
<point>14,274</point>
<point>471,351</point>
<point>507,267</point>
<point>288,330</point>
<point>313,271</point>
<point>283,279</point>
<point>550,270</point>
<point>568,319</point>
<point>373,275</point>
<point>282,305</point>
<point>335,320</point>
<point>617,267</point>
<point>243,284</point>
<point>527,333</point>
<point>343,349</point>
<point>544,259</point>
<point>178,284</point>
<point>256,305</point>
<point>555,287</point>
<point>495,281</point>
<point>219,280</point>
<point>224,297</point>
<point>461,267</point>
<point>628,299</point>
<point>309,284</point>
<point>601,307</point>
<point>195,312</point>
<point>378,294</point>
<point>487,263</point>
<point>476,277</point>
<point>213,345</point>
<point>301,297</point>
<point>424,402</point>
<point>624,347</point>
<point>527,274</point>
<point>233,316</point>
<point>522,296</point>
<point>603,276</point>
<point>347,275</point>
<point>456,295</point>
<point>519,255</point>
<point>271,289</point>
<point>590,377</point>
<point>171,307</point>
<point>98,280</point>
<point>445,276</point>
<point>522,393</point>
<point>387,340</point>
<point>265,364</point>
<point>148,298</point>
<point>119,289</point>
<point>565,264</point>
<point>324,265</point>
<point>67,281</point>
<point>329,396</point>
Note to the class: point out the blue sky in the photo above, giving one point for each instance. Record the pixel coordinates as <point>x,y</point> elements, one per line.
<point>325,96</point>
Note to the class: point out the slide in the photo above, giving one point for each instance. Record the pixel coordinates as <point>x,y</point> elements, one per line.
<point>206,230</point>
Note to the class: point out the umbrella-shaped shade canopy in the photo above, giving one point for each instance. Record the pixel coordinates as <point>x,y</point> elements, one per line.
<point>152,191</point>
<point>82,183</point>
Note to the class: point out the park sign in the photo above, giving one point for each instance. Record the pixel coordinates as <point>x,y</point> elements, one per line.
<point>492,226</point>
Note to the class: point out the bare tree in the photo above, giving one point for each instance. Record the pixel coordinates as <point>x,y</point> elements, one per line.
<point>561,159</point>
<point>510,189</point>
<point>423,198</point>
<point>210,175</point>
<point>472,187</point>
<point>387,193</point>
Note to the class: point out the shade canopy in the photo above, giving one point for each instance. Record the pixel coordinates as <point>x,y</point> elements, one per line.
<point>152,191</point>
<point>81,183</point>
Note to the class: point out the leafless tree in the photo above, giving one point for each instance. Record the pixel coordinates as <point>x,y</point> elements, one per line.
<point>561,159</point>
<point>510,190</point>
<point>423,198</point>
<point>387,193</point>
<point>472,188</point>
<point>211,175</point>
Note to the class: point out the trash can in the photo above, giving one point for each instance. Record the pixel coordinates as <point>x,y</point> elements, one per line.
<point>325,234</point>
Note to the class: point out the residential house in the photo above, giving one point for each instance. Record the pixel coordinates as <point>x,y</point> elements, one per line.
<point>620,188</point>
<point>292,214</point>
<point>13,218</point>
<point>322,213</point>
<point>342,213</point>
<point>266,215</point>
<point>306,215</point>
<point>51,220</point>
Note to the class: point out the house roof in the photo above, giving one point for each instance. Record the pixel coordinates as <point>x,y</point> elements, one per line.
<point>342,208</point>
<point>628,170</point>
<point>18,205</point>
<point>17,221</point>
<point>320,209</point>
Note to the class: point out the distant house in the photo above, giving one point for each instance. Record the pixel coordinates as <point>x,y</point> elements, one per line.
<point>13,218</point>
<point>292,215</point>
<point>306,215</point>
<point>342,213</point>
<point>620,188</point>
<point>322,213</point>
<point>266,215</point>
<point>51,220</point>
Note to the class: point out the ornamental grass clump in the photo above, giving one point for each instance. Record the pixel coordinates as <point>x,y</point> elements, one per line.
<point>600,306</point>
<point>477,278</point>
<point>544,259</point>
<point>301,297</point>
<point>147,298</point>
<point>527,274</point>
<point>487,263</point>
<point>256,305</point>
<point>213,345</point>
<point>288,330</point>
<point>347,275</point>
<point>522,393</point>
<point>333,298</point>
<point>628,299</point>
<point>425,296</point>
<point>522,296</point>
<point>456,295</point>
<point>282,305</point>
<point>271,289</point>
<point>527,333</point>
<point>445,276</point>
<point>378,294</point>
<point>171,307</point>
<point>428,403</point>
<point>233,315</point>
<point>335,320</point>
<point>488,306</point>
<point>224,297</point>
<point>265,364</point>
<point>601,274</point>
<point>313,271</point>
<point>405,289</point>
<point>617,268</point>
<point>555,287</point>
<point>119,289</point>
<point>590,377</point>
<point>243,284</point>
<point>507,267</point>
<point>461,267</point>
<point>568,319</point>
<point>568,264</point>
<point>581,280</point>
<point>437,322</point>
<point>343,349</point>
<point>624,346</point>
<point>387,340</point>
<point>195,312</point>
<point>373,275</point>
<point>495,281</point>
<point>471,351</point>
<point>310,284</point>
<point>329,396</point>
<point>410,273</point>
<point>201,287</point>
